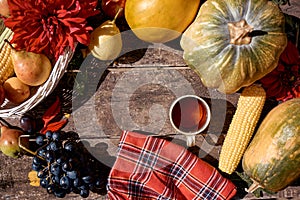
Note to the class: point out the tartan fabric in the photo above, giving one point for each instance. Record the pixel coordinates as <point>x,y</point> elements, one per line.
<point>153,168</point>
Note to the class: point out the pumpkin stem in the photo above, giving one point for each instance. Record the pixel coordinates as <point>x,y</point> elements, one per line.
<point>255,185</point>
<point>239,32</point>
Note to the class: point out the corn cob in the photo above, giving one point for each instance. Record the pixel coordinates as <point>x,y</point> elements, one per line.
<point>6,64</point>
<point>6,34</point>
<point>2,27</point>
<point>241,128</point>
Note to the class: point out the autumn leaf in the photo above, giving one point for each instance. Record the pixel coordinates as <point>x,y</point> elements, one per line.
<point>33,179</point>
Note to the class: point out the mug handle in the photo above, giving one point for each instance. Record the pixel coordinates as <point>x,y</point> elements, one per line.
<point>190,140</point>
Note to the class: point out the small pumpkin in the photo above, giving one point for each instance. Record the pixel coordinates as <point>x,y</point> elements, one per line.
<point>272,158</point>
<point>233,43</point>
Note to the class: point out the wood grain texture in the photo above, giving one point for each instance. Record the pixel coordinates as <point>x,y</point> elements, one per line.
<point>292,8</point>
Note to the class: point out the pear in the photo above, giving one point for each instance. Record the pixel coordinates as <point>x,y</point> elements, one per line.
<point>106,41</point>
<point>4,8</point>
<point>15,90</point>
<point>9,141</point>
<point>31,68</point>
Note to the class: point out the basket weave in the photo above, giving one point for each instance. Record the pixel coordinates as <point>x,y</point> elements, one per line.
<point>8,109</point>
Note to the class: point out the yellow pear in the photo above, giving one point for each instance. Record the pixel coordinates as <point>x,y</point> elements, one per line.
<point>106,41</point>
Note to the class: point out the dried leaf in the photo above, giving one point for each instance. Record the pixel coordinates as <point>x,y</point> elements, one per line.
<point>34,180</point>
<point>51,112</point>
<point>55,126</point>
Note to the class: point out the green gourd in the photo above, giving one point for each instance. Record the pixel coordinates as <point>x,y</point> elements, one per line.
<point>233,43</point>
<point>272,158</point>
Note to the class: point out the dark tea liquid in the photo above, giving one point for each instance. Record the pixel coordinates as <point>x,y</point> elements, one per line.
<point>189,114</point>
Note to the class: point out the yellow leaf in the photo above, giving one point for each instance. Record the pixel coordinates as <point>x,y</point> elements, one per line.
<point>34,180</point>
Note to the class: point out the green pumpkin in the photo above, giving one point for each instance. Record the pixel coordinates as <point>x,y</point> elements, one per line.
<point>233,43</point>
<point>272,158</point>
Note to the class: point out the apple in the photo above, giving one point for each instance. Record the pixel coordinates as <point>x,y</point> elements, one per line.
<point>111,7</point>
<point>4,8</point>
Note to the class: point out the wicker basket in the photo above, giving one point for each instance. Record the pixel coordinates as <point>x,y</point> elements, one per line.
<point>8,109</point>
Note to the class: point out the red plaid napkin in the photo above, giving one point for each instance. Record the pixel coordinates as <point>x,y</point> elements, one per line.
<point>153,168</point>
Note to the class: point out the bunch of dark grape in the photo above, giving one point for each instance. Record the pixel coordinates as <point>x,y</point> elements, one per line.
<point>64,165</point>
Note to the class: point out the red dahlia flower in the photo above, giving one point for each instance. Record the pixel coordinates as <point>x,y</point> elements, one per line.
<point>49,26</point>
<point>283,82</point>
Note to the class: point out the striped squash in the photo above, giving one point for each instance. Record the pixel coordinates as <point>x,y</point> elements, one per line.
<point>272,159</point>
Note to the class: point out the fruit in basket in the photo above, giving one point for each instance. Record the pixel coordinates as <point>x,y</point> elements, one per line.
<point>272,159</point>
<point>9,141</point>
<point>31,68</point>
<point>233,43</point>
<point>15,90</point>
<point>4,8</point>
<point>106,40</point>
<point>160,21</point>
<point>2,94</point>
<point>111,7</point>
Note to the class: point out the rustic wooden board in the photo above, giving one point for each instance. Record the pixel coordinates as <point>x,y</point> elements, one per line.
<point>133,94</point>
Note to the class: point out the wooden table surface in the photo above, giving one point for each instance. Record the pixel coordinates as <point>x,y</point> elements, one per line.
<point>132,93</point>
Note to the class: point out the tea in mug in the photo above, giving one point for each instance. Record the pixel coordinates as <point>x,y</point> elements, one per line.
<point>189,114</point>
